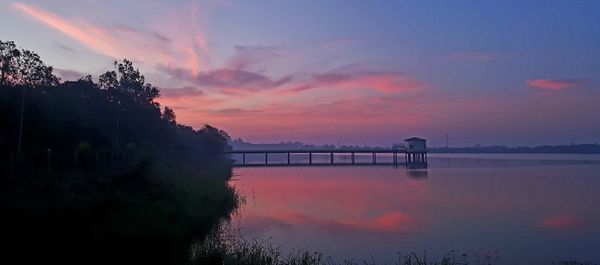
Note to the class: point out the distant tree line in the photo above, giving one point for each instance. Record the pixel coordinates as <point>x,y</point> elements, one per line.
<point>239,144</point>
<point>548,149</point>
<point>119,112</point>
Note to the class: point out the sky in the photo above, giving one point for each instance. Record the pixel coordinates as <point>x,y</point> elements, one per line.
<point>342,72</point>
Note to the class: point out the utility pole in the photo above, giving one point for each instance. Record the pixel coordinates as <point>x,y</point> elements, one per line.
<point>21,122</point>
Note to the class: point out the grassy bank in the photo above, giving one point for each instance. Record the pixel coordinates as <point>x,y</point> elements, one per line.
<point>225,248</point>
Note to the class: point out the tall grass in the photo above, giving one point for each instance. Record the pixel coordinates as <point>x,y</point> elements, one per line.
<point>227,248</point>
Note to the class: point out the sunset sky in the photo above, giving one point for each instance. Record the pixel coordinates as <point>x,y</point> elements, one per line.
<point>342,72</point>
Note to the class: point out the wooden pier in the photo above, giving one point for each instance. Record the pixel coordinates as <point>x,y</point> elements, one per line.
<point>400,156</point>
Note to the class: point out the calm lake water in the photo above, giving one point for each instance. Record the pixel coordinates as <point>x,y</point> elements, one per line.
<point>529,209</point>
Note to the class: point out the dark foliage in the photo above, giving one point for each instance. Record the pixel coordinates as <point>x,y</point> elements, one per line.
<point>98,174</point>
<point>119,112</point>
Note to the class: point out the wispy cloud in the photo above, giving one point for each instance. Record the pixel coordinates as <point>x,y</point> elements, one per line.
<point>123,41</point>
<point>383,82</point>
<point>554,84</point>
<point>227,80</point>
<point>246,56</point>
<point>66,74</point>
<point>473,56</point>
<point>64,47</point>
<point>181,92</point>
<point>92,36</point>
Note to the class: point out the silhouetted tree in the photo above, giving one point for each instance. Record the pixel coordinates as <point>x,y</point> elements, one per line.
<point>23,67</point>
<point>127,84</point>
<point>8,61</point>
<point>120,109</point>
<point>168,116</point>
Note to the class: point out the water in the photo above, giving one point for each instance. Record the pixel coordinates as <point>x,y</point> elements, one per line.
<point>525,209</point>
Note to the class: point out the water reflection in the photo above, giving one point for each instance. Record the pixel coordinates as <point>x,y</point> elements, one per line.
<point>533,211</point>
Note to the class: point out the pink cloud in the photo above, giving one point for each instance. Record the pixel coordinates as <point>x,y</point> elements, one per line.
<point>92,36</point>
<point>383,82</point>
<point>379,81</point>
<point>122,41</point>
<point>362,116</point>
<point>554,84</point>
<point>560,222</point>
<point>191,104</point>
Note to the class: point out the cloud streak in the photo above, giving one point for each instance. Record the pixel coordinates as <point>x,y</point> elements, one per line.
<point>227,80</point>
<point>383,82</point>
<point>91,36</point>
<point>122,41</point>
<point>554,84</point>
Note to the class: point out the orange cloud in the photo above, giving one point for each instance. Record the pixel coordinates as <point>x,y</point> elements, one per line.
<point>554,84</point>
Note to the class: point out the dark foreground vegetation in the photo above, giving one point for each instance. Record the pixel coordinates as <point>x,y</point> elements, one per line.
<point>99,173</point>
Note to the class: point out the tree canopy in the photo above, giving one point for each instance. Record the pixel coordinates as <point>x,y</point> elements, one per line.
<point>119,110</point>
<point>23,67</point>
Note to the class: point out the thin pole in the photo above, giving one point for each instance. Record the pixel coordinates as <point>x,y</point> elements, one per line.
<point>374,158</point>
<point>243,158</point>
<point>331,158</point>
<point>266,158</point>
<point>310,158</point>
<point>117,132</point>
<point>288,158</point>
<point>21,122</point>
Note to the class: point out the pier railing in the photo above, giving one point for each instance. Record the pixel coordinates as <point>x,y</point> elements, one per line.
<point>409,157</point>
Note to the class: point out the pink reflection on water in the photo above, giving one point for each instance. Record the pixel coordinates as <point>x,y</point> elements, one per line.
<point>356,212</point>
<point>387,222</point>
<point>324,199</point>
